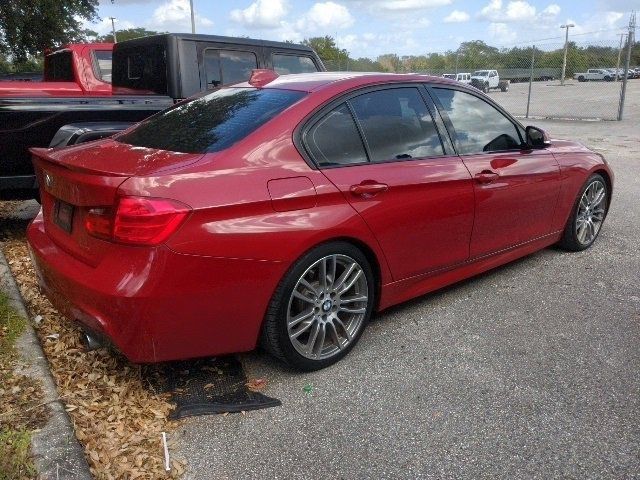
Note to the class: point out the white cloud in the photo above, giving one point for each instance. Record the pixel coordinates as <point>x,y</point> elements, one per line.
<point>325,15</point>
<point>515,11</point>
<point>457,16</point>
<point>176,14</point>
<point>262,14</point>
<point>551,10</point>
<point>411,4</point>
<point>501,33</point>
<point>104,25</point>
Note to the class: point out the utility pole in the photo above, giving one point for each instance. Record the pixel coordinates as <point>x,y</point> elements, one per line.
<point>113,29</point>
<point>566,45</point>
<point>630,42</point>
<point>622,35</point>
<point>193,20</point>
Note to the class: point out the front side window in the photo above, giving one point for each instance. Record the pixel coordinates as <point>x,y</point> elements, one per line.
<point>479,126</point>
<point>224,67</point>
<point>396,124</point>
<point>334,140</point>
<point>212,122</point>
<point>103,64</point>
<point>285,64</point>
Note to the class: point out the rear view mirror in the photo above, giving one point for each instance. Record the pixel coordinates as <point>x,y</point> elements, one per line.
<point>536,137</point>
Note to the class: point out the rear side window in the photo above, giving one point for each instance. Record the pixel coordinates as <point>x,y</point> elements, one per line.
<point>334,139</point>
<point>285,64</point>
<point>141,68</point>
<point>103,64</point>
<point>59,67</point>
<point>397,125</point>
<point>212,122</point>
<point>223,67</point>
<point>479,127</point>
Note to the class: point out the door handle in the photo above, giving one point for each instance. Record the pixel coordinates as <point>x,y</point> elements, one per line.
<point>486,176</point>
<point>368,188</point>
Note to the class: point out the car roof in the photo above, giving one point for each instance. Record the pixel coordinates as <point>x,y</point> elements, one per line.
<point>311,82</point>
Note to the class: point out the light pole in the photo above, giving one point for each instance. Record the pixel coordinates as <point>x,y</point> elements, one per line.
<point>566,45</point>
<point>193,21</point>
<point>622,35</point>
<point>113,29</point>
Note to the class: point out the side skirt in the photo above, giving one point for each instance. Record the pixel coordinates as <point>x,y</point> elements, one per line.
<point>403,290</point>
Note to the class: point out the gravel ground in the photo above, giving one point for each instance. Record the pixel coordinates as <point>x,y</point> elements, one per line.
<point>528,371</point>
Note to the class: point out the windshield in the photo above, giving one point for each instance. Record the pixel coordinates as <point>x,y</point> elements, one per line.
<point>481,73</point>
<point>210,123</point>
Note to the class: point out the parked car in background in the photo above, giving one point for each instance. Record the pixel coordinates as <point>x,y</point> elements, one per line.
<point>286,210</point>
<point>486,80</point>
<point>595,74</point>
<point>460,77</point>
<point>76,103</point>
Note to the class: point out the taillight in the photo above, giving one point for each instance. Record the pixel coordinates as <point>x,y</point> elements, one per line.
<point>137,220</point>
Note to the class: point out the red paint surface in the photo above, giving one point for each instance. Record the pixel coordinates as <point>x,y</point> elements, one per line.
<point>258,206</point>
<point>86,82</point>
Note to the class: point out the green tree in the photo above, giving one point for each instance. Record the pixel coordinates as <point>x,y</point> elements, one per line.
<point>126,34</point>
<point>327,49</point>
<point>28,27</point>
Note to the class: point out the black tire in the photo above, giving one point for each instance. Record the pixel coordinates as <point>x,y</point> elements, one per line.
<point>570,239</point>
<point>607,78</point>
<point>275,336</point>
<point>504,88</point>
<point>581,78</point>
<point>485,88</point>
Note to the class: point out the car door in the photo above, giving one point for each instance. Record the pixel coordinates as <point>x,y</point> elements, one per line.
<point>516,188</point>
<point>382,149</point>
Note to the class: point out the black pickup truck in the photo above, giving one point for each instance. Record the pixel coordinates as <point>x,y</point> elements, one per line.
<point>148,74</point>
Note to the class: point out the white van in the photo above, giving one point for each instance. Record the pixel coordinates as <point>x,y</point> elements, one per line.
<point>463,77</point>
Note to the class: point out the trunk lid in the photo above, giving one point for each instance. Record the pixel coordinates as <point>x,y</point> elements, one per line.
<point>75,180</point>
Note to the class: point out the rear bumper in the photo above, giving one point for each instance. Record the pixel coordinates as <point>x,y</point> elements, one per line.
<point>154,304</point>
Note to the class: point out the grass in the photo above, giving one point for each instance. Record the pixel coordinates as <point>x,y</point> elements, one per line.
<point>17,396</point>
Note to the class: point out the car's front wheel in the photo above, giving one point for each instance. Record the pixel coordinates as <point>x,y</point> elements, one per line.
<point>321,307</point>
<point>587,216</point>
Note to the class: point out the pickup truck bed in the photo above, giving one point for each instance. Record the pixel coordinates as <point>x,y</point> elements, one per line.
<point>35,121</point>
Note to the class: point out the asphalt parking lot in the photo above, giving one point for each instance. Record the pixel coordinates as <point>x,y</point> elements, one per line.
<point>588,100</point>
<point>528,371</point>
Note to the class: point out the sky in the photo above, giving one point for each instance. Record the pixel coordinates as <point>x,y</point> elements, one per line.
<point>374,27</point>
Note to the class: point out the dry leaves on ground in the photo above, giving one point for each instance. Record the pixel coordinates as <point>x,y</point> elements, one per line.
<point>116,415</point>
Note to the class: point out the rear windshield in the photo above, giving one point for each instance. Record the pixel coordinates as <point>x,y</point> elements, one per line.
<point>212,122</point>
<point>59,67</point>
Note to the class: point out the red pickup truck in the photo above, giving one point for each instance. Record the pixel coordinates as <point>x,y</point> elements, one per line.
<point>75,70</point>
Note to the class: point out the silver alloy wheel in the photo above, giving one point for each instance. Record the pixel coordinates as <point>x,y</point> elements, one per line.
<point>591,210</point>
<point>327,307</point>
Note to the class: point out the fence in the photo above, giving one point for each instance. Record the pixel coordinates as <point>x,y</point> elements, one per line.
<point>591,88</point>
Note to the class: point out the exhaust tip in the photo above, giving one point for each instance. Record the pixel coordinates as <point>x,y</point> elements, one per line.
<point>90,342</point>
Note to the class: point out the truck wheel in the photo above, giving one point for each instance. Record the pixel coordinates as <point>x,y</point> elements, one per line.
<point>485,88</point>
<point>607,78</point>
<point>504,87</point>
<point>581,78</point>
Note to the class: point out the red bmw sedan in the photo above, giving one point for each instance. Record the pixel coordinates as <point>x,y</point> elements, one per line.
<point>284,211</point>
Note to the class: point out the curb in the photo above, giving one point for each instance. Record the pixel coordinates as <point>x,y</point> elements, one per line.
<point>57,454</point>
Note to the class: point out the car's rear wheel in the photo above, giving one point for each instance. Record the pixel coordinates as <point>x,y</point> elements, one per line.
<point>485,88</point>
<point>581,78</point>
<point>321,307</point>
<point>588,214</point>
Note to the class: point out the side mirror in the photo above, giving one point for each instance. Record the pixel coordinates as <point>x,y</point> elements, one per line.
<point>536,137</point>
